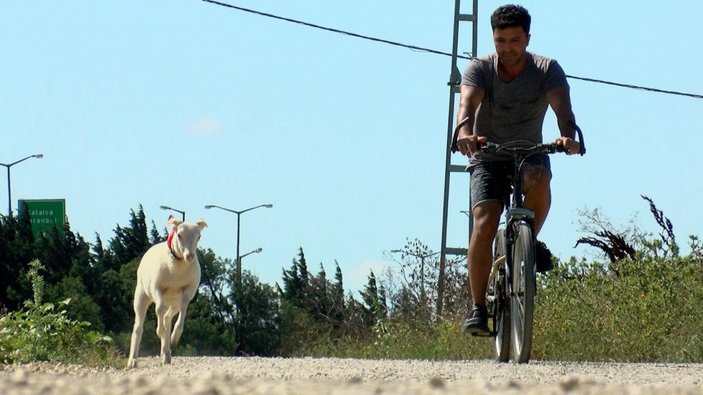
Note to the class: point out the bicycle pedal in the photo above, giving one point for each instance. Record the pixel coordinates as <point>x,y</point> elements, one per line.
<point>482,334</point>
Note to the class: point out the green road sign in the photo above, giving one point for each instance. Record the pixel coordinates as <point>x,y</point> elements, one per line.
<point>44,214</point>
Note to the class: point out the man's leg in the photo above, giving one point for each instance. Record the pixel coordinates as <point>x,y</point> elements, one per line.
<point>489,187</point>
<point>480,255</point>
<point>486,216</point>
<point>538,198</point>
<point>538,193</point>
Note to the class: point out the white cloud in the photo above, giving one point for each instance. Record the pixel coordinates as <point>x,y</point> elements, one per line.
<point>205,126</point>
<point>359,277</point>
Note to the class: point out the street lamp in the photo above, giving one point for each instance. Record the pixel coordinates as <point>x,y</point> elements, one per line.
<point>183,213</point>
<point>9,191</point>
<point>239,333</point>
<point>256,251</point>
<point>422,267</point>
<point>239,263</point>
<point>471,220</point>
<point>239,213</point>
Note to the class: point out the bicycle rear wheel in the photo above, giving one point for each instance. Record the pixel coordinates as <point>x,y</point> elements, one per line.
<point>501,301</point>
<point>523,290</point>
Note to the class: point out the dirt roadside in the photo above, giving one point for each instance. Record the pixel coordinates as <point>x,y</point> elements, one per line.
<point>319,376</point>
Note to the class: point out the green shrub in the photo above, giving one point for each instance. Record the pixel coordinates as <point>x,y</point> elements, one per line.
<point>43,332</point>
<point>644,309</point>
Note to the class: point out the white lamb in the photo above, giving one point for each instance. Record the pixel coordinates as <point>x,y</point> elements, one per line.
<point>169,276</point>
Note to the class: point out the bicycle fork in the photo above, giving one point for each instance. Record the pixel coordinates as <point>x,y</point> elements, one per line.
<point>502,266</point>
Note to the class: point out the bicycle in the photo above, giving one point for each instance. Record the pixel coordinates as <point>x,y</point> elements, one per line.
<point>512,281</point>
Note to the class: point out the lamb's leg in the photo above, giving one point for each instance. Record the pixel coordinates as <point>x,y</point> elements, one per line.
<point>163,323</point>
<point>141,304</point>
<point>180,322</point>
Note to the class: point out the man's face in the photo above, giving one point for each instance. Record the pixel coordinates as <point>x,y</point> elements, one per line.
<point>511,44</point>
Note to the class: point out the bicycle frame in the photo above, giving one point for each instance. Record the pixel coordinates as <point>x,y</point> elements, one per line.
<point>514,212</point>
<point>513,274</point>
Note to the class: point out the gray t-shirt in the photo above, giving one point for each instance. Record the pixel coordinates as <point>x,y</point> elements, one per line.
<point>513,111</point>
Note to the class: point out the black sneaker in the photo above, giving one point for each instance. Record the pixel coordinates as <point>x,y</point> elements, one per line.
<point>476,322</point>
<point>543,259</point>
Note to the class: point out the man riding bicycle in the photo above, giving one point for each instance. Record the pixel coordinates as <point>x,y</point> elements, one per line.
<point>505,97</point>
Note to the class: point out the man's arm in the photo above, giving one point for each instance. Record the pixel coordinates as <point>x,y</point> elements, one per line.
<point>560,101</point>
<point>471,98</point>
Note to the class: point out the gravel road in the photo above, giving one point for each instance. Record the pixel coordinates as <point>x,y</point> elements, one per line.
<point>319,376</point>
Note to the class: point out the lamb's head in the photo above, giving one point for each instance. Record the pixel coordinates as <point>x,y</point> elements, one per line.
<point>186,236</point>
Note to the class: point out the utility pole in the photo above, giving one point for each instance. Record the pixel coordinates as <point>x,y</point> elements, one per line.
<point>454,83</point>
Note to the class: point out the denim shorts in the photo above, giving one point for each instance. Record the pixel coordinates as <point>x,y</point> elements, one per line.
<point>493,180</point>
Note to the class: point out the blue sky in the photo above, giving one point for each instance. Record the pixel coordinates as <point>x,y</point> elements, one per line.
<point>185,103</point>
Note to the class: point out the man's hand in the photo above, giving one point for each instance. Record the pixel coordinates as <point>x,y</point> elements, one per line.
<point>469,144</point>
<point>571,146</point>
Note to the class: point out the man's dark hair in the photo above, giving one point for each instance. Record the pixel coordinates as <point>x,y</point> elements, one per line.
<point>511,15</point>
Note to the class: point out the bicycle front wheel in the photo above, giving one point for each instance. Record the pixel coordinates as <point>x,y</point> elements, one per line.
<point>501,301</point>
<point>523,292</point>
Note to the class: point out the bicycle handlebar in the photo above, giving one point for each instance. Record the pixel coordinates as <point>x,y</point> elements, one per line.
<point>549,148</point>
<point>582,144</point>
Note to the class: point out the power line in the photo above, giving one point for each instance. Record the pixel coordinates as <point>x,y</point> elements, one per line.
<point>433,51</point>
<point>329,29</point>
<point>637,87</point>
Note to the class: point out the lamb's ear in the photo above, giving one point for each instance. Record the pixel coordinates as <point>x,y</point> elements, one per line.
<point>202,224</point>
<point>173,221</point>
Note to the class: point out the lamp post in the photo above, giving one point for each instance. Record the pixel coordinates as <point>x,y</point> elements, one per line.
<point>183,213</point>
<point>9,190</point>
<point>239,213</point>
<point>239,335</point>
<point>239,324</point>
